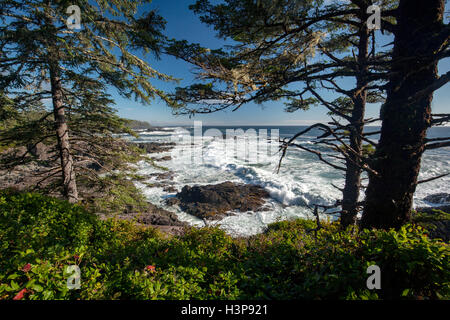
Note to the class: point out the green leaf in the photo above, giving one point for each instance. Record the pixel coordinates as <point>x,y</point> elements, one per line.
<point>12,276</point>
<point>37,288</point>
<point>14,285</point>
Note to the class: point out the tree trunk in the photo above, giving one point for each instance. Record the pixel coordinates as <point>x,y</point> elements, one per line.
<point>70,191</point>
<point>397,159</point>
<point>353,164</point>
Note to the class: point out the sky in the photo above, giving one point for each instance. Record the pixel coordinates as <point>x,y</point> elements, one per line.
<point>184,24</point>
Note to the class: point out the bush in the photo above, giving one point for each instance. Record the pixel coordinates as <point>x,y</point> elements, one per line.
<point>41,236</point>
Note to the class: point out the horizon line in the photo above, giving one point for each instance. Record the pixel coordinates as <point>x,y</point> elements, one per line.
<point>255,125</point>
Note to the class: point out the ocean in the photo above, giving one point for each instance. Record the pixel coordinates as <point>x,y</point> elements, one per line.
<point>302,180</point>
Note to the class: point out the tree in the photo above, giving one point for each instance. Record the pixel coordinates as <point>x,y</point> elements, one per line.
<point>43,57</point>
<point>290,50</point>
<point>421,40</point>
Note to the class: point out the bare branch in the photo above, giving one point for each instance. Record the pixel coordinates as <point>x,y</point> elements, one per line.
<point>434,178</point>
<point>437,145</point>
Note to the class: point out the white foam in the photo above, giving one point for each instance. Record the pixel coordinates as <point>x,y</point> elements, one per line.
<point>156,133</point>
<point>303,180</point>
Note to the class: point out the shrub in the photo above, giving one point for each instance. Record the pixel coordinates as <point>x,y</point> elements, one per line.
<point>40,236</point>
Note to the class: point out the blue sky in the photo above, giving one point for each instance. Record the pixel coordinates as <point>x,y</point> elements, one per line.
<point>183,24</point>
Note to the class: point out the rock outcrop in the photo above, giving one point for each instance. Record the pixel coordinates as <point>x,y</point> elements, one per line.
<point>213,202</point>
<point>156,147</point>
<point>154,216</point>
<point>436,220</point>
<point>438,198</point>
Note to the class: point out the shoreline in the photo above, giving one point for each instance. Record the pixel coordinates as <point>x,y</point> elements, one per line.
<point>156,215</point>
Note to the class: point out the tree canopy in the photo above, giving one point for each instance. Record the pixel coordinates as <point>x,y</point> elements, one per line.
<point>65,73</point>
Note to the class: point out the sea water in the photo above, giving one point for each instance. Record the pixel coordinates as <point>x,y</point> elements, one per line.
<point>302,180</point>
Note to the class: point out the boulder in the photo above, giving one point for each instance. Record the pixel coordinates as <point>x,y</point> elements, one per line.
<point>170,189</point>
<point>153,215</point>
<point>438,198</point>
<point>165,158</point>
<point>213,202</point>
<point>436,220</point>
<point>158,216</point>
<point>156,147</point>
<point>167,175</point>
<point>40,151</point>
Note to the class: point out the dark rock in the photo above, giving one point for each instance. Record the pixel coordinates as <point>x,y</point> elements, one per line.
<point>217,201</point>
<point>156,147</point>
<point>155,184</point>
<point>159,216</point>
<point>94,166</point>
<point>438,198</point>
<point>162,175</point>
<point>436,220</point>
<point>154,215</point>
<point>441,230</point>
<point>40,151</point>
<point>165,158</point>
<point>159,219</point>
<point>172,201</point>
<point>170,189</point>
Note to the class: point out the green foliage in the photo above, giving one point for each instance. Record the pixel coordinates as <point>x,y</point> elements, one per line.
<point>108,51</point>
<point>138,125</point>
<point>437,215</point>
<point>116,193</point>
<point>368,150</point>
<point>437,222</point>
<point>281,50</point>
<point>40,236</point>
<point>153,163</point>
<point>103,52</point>
<point>299,104</point>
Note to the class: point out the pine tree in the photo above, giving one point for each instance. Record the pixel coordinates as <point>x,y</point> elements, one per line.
<point>290,50</point>
<point>421,40</point>
<point>43,58</point>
